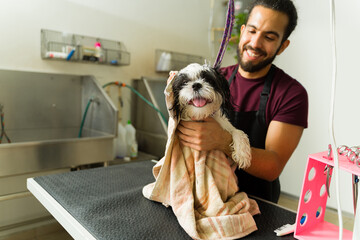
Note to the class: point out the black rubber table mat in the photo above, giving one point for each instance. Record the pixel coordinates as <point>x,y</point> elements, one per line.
<point>108,202</point>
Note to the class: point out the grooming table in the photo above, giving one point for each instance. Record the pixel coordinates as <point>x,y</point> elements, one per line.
<point>107,203</point>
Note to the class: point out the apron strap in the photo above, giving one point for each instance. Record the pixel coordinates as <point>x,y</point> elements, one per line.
<point>264,96</point>
<point>233,75</point>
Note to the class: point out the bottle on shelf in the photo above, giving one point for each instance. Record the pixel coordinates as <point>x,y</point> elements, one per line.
<point>99,52</point>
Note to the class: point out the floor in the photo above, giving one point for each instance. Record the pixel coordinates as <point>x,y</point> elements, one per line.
<point>55,231</point>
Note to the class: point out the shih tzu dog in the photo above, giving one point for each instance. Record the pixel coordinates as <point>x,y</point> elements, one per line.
<point>201,91</point>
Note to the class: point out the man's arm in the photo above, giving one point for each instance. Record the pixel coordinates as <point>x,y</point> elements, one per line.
<point>281,141</point>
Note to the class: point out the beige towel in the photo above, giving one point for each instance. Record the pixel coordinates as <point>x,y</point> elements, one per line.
<point>201,188</point>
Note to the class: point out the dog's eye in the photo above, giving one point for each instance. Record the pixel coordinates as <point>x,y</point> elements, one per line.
<point>208,76</point>
<point>180,81</point>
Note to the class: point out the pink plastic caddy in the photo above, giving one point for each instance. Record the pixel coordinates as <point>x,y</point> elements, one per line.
<point>310,222</point>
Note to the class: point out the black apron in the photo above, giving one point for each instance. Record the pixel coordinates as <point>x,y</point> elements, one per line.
<point>253,123</point>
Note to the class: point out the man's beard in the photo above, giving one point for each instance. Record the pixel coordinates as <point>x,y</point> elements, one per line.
<point>249,66</point>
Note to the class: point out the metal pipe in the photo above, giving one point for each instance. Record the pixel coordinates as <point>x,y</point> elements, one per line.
<point>15,196</point>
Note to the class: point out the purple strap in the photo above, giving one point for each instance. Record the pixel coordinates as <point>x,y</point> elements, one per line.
<point>227,33</point>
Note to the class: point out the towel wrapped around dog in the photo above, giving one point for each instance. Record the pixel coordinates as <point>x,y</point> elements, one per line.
<point>201,188</point>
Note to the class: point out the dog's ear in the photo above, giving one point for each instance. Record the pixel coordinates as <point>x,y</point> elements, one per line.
<point>176,87</point>
<point>226,106</point>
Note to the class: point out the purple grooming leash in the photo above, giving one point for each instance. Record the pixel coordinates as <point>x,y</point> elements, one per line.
<point>227,33</point>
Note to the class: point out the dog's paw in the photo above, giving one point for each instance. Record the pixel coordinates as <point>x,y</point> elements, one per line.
<point>241,153</point>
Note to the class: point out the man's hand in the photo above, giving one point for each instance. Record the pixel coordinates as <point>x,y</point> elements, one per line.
<point>204,136</point>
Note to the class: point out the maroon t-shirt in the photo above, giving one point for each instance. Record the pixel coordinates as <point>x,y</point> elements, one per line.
<point>288,99</point>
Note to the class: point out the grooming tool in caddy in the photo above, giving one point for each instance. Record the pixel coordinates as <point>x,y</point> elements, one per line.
<point>352,154</point>
<point>355,181</point>
<point>328,169</point>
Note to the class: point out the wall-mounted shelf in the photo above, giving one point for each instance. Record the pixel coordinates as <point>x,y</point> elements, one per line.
<point>79,48</point>
<point>172,61</point>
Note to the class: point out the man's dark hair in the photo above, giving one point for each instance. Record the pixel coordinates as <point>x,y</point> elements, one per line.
<point>285,6</point>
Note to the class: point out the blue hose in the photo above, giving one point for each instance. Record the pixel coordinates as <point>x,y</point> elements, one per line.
<point>84,116</point>
<point>141,96</point>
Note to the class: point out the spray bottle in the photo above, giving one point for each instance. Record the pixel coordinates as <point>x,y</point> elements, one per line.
<point>131,143</point>
<point>120,142</point>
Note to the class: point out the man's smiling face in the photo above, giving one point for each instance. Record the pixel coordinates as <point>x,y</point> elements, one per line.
<point>261,39</point>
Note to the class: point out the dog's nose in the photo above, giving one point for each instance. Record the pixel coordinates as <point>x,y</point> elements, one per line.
<point>196,86</point>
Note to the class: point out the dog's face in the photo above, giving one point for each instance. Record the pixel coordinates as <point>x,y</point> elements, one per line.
<point>199,91</point>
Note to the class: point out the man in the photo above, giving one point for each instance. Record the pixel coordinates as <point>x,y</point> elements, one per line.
<point>270,106</point>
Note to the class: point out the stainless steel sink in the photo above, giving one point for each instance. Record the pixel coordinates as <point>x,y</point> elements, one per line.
<point>43,114</point>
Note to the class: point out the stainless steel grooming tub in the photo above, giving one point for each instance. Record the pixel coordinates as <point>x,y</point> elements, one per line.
<point>151,129</point>
<point>43,114</point>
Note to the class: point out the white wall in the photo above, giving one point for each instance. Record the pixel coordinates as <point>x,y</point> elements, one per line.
<point>182,26</point>
<point>309,60</point>
<point>141,25</point>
